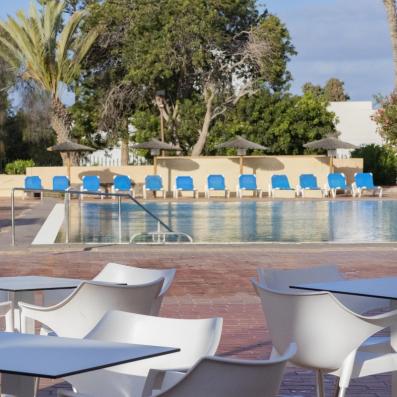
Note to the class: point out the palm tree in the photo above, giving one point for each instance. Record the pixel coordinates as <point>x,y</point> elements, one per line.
<point>42,49</point>
<point>390,6</point>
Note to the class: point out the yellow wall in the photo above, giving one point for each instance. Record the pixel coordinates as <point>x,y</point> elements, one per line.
<point>262,166</point>
<point>199,168</point>
<point>8,182</point>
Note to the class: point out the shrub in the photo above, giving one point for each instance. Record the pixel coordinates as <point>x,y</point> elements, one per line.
<point>381,161</point>
<point>18,167</point>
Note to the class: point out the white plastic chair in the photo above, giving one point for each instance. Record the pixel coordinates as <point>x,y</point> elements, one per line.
<point>281,280</point>
<point>6,312</point>
<point>77,315</point>
<point>116,273</point>
<point>195,338</point>
<point>222,377</point>
<point>329,337</point>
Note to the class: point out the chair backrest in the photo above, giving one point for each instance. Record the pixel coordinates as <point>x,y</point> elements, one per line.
<point>60,182</point>
<point>280,182</point>
<point>80,312</point>
<point>33,182</point>
<point>364,180</point>
<point>324,330</point>
<point>153,182</point>
<point>195,338</point>
<point>116,273</point>
<point>337,181</point>
<point>122,182</point>
<point>223,377</point>
<point>216,182</point>
<point>308,181</point>
<point>91,182</point>
<point>247,182</point>
<point>184,182</point>
<point>281,279</point>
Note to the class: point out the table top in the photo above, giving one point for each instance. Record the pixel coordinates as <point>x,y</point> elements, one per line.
<point>55,357</point>
<point>36,283</point>
<point>385,288</point>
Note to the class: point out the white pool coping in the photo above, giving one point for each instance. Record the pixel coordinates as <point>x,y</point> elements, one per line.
<point>50,229</point>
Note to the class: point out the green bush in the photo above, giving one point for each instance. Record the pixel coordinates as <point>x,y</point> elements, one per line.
<point>18,167</point>
<point>381,161</point>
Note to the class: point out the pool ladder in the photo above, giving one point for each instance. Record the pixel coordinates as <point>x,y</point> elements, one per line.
<point>167,236</point>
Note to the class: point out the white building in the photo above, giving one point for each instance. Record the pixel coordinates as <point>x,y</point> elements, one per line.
<point>355,123</point>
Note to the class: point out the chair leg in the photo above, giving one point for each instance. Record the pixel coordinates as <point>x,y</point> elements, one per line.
<point>342,391</point>
<point>319,383</point>
<point>337,388</point>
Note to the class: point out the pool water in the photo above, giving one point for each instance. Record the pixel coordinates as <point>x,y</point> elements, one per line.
<point>348,221</point>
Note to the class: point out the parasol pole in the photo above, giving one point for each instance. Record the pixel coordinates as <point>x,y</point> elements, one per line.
<point>241,153</point>
<point>68,166</point>
<point>155,165</point>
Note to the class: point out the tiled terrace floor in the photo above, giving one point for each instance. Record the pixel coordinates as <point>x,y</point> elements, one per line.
<point>214,281</point>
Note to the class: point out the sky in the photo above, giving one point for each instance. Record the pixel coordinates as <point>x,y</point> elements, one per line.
<point>347,39</point>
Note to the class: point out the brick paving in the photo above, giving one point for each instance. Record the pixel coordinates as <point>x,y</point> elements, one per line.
<point>214,281</point>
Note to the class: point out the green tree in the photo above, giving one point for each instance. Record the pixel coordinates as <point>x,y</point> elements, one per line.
<point>333,90</point>
<point>48,52</point>
<point>381,161</point>
<point>207,53</point>
<point>282,122</point>
<point>386,118</point>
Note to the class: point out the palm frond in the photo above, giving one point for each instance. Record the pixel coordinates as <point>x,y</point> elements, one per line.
<point>42,48</point>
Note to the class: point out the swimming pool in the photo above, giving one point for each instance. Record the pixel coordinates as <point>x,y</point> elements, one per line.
<point>347,221</point>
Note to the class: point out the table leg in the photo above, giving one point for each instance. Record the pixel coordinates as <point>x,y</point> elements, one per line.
<point>393,340</point>
<point>19,385</point>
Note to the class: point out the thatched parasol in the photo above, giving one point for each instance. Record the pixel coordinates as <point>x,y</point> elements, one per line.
<point>155,146</point>
<point>242,145</point>
<point>69,147</point>
<point>330,143</point>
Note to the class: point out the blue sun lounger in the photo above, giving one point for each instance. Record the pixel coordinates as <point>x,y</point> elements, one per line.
<point>307,182</point>
<point>91,183</point>
<point>247,182</point>
<point>122,184</point>
<point>184,184</point>
<point>33,182</point>
<point>279,182</point>
<point>365,181</point>
<point>60,183</point>
<point>153,183</point>
<point>336,181</point>
<point>215,183</point>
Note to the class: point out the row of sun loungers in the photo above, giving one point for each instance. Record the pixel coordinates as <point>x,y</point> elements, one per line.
<point>216,183</point>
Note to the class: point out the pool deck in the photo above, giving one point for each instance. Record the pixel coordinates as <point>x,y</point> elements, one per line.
<point>211,280</point>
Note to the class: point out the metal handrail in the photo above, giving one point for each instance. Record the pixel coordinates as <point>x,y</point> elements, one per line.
<point>68,192</point>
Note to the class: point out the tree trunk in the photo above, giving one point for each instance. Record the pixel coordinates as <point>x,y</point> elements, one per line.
<point>209,95</point>
<point>61,123</point>
<point>125,152</point>
<point>390,6</point>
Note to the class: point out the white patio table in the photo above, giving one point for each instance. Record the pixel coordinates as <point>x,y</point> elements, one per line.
<point>384,288</point>
<point>28,357</point>
<point>22,288</point>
